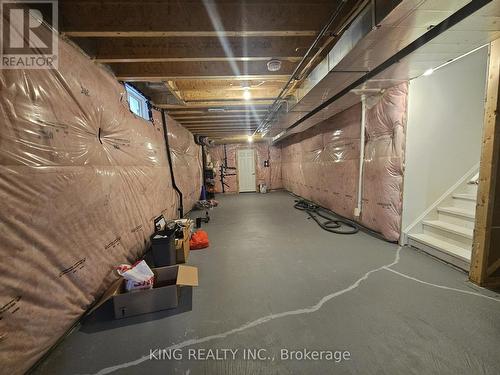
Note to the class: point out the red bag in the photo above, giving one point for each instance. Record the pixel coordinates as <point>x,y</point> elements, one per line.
<point>199,240</point>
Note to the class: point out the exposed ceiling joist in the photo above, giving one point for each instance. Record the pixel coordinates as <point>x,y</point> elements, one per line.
<point>169,18</point>
<point>228,123</point>
<point>210,104</point>
<point>205,113</point>
<point>148,49</point>
<point>164,77</point>
<point>218,117</point>
<point>196,68</point>
<point>115,60</point>
<point>234,128</point>
<point>188,34</point>
<point>198,59</point>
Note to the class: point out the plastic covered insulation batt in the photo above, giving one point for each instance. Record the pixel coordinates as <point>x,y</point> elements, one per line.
<point>270,176</point>
<point>322,163</point>
<point>81,181</point>
<point>384,163</point>
<point>186,161</point>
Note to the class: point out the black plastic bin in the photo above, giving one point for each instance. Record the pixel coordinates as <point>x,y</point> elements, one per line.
<point>163,246</point>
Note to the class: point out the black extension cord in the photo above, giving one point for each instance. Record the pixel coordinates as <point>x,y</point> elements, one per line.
<point>331,224</point>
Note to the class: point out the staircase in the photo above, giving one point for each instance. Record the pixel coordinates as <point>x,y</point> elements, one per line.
<point>446,232</point>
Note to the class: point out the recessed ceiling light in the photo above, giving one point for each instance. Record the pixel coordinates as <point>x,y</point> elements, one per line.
<point>250,139</point>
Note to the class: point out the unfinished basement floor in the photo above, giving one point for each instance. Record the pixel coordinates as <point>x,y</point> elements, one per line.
<point>274,280</point>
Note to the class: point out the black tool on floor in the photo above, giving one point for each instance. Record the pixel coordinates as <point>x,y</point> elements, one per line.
<point>332,223</point>
<point>205,220</point>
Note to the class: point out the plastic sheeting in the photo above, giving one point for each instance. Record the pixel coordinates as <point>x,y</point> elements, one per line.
<point>270,176</point>
<point>186,161</point>
<point>322,163</point>
<point>81,181</point>
<point>384,163</point>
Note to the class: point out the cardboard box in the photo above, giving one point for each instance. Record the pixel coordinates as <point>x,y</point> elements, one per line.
<point>182,245</point>
<point>164,295</point>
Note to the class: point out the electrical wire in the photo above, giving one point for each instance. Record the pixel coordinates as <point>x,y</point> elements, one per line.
<point>331,223</point>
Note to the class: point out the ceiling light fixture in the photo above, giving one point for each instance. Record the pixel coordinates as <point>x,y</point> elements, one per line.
<point>247,95</point>
<point>274,65</point>
<point>250,139</point>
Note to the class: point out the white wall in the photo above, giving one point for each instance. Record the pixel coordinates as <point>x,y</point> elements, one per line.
<point>444,130</point>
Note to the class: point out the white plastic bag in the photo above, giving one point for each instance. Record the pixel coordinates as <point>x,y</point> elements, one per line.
<point>137,276</point>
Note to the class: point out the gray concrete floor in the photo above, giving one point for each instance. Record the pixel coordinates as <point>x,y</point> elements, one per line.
<point>274,280</point>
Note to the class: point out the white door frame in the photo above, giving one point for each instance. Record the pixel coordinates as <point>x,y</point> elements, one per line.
<point>242,188</point>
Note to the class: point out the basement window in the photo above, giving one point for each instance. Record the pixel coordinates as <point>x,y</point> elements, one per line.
<point>138,103</point>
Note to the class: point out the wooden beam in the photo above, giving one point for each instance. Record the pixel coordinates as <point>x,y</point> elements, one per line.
<point>226,121</point>
<point>217,104</point>
<point>188,34</point>
<point>172,88</point>
<point>486,242</point>
<point>198,69</point>
<point>203,131</point>
<point>232,128</point>
<point>111,60</point>
<point>218,117</point>
<point>108,50</point>
<point>229,112</point>
<point>243,77</point>
<point>168,18</point>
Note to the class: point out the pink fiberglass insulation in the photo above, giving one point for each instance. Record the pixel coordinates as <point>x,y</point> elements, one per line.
<point>270,176</point>
<point>186,162</point>
<point>322,163</point>
<point>384,163</point>
<point>81,181</point>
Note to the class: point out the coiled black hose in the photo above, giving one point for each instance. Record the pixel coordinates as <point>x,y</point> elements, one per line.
<point>331,224</point>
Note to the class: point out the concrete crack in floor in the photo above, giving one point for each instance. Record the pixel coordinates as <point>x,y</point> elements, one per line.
<point>306,310</point>
<point>440,286</point>
<point>256,322</point>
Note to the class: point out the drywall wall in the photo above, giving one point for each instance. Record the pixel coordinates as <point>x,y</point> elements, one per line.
<point>445,119</point>
<point>81,181</point>
<point>270,176</point>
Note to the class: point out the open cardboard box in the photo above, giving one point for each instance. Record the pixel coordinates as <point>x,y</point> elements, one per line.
<point>164,295</point>
<point>182,245</point>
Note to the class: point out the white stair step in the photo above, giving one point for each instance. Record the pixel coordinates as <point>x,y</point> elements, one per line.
<point>465,200</point>
<point>465,196</point>
<point>447,247</point>
<point>450,253</point>
<point>458,216</point>
<point>450,228</point>
<point>463,212</point>
<point>471,189</point>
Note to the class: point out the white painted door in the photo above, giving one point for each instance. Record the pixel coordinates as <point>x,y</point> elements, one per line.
<point>246,170</point>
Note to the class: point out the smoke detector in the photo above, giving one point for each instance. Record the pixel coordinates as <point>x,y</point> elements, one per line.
<point>274,65</point>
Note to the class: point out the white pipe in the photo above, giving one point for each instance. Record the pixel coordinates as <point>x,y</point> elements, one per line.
<point>357,210</point>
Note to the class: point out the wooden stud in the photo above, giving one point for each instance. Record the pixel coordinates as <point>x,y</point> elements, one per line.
<point>485,234</point>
